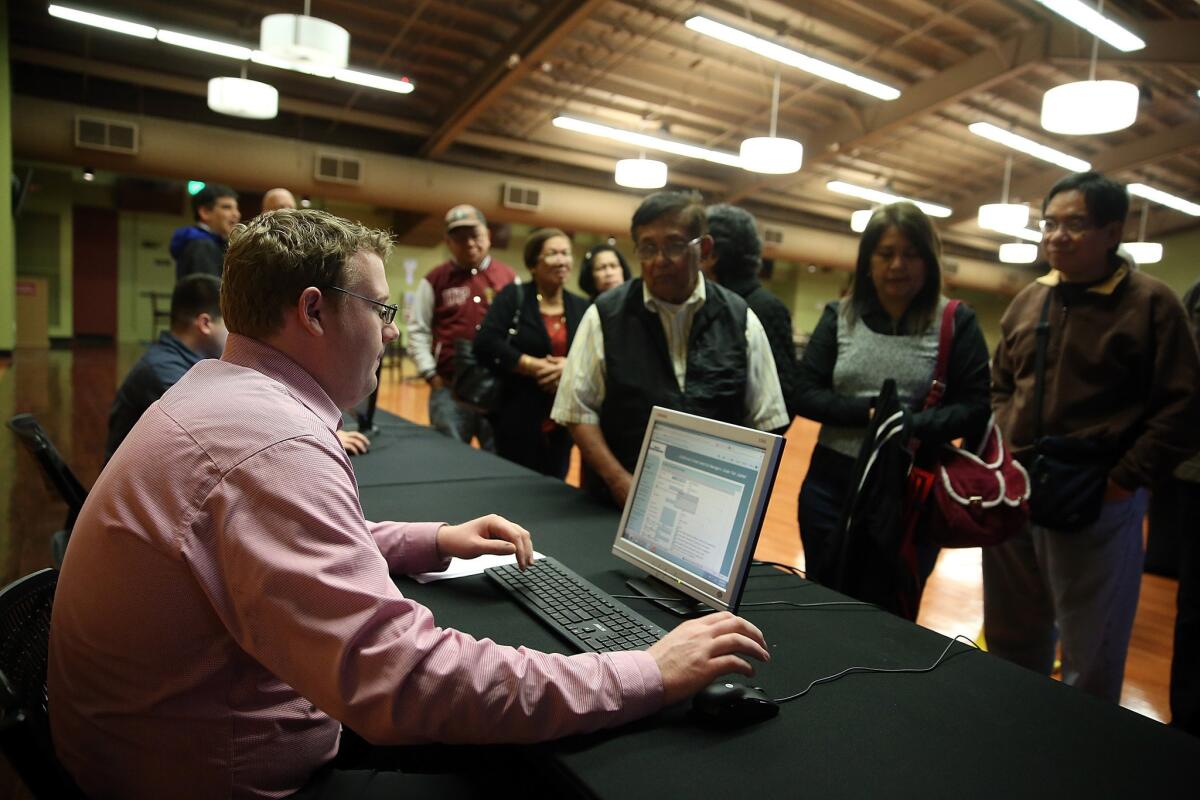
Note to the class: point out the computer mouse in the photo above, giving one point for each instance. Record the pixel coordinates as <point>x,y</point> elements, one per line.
<point>731,704</point>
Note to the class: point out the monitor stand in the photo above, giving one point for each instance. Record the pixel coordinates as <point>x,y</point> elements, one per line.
<point>666,596</point>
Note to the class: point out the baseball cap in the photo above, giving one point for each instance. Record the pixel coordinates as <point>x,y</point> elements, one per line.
<point>464,215</point>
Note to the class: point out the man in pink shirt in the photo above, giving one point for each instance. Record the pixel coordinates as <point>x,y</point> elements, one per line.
<point>224,607</point>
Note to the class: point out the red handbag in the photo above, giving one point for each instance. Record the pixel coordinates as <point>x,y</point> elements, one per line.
<point>971,499</point>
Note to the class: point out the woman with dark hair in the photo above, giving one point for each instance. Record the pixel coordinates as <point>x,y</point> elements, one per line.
<point>886,327</point>
<point>603,268</point>
<point>531,354</point>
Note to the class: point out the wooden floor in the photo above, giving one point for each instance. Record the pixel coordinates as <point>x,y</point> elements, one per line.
<point>70,392</point>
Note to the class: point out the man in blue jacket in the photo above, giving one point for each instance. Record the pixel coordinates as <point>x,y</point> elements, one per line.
<point>200,247</point>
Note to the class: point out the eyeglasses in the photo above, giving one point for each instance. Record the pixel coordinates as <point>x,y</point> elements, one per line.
<point>1072,225</point>
<point>386,312</point>
<point>673,251</point>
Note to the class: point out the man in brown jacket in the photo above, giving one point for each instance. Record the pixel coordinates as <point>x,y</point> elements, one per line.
<point>1121,371</point>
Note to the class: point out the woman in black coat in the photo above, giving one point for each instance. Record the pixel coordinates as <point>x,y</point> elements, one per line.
<point>532,357</point>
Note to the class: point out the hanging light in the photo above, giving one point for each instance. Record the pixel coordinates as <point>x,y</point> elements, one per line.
<point>641,173</point>
<point>306,40</point>
<point>772,155</point>
<point>1088,107</point>
<point>860,219</point>
<point>1142,251</point>
<point>1004,216</point>
<point>1018,253</point>
<point>239,97</point>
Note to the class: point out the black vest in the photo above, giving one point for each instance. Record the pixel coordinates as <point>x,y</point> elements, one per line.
<point>639,372</point>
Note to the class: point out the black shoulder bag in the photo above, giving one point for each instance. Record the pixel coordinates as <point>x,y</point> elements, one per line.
<point>477,386</point>
<point>1067,475</point>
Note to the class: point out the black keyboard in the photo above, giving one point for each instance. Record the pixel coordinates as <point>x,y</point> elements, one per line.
<point>577,610</point>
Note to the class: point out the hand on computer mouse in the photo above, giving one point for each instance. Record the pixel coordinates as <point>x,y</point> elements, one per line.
<point>695,653</point>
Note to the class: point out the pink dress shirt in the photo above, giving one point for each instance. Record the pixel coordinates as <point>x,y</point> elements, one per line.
<point>224,606</point>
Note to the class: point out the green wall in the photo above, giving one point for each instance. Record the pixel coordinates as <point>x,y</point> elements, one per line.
<point>8,275</point>
<point>1180,267</point>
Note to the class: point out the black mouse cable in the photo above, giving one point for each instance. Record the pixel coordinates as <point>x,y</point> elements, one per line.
<point>852,670</point>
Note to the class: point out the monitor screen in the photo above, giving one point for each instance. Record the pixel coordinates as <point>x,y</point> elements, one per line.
<point>697,503</point>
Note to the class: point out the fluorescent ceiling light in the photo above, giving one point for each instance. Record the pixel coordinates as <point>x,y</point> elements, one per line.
<point>1028,234</point>
<point>876,196</point>
<point>401,85</point>
<point>785,55</point>
<point>647,142</point>
<point>268,60</point>
<point>1095,23</point>
<point>99,21</point>
<point>1163,198</point>
<point>204,45</point>
<point>1009,139</point>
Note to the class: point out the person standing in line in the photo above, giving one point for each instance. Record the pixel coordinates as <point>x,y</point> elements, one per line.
<point>603,268</point>
<point>200,247</point>
<point>1120,378</point>
<point>451,302</point>
<point>531,360</point>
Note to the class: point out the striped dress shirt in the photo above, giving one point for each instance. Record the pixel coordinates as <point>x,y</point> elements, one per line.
<point>224,606</point>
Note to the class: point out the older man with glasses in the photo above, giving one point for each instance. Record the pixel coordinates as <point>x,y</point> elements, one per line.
<point>669,338</point>
<point>1112,411</point>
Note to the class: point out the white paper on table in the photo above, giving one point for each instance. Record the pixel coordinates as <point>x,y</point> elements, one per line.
<point>460,567</point>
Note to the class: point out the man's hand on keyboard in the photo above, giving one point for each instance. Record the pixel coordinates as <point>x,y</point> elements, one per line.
<point>490,535</point>
<point>698,651</point>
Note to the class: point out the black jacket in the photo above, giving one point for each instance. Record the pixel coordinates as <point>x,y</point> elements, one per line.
<point>522,405</point>
<point>777,323</point>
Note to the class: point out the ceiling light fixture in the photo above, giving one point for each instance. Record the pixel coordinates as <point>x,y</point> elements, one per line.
<point>1009,139</point>
<point>877,196</point>
<point>400,85</point>
<point>1004,215</point>
<point>204,45</point>
<point>1164,198</point>
<point>647,142</point>
<point>785,55</point>
<point>860,219</point>
<point>1095,23</point>
<point>772,155</point>
<point>268,60</point>
<point>238,97</point>
<point>1018,253</point>
<point>100,21</point>
<point>1090,107</point>
<point>1142,251</point>
<point>305,40</point>
<point>641,173</point>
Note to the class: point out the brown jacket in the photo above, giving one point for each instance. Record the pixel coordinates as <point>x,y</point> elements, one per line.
<point>1121,368</point>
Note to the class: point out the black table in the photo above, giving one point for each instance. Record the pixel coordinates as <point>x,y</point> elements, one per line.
<point>975,727</point>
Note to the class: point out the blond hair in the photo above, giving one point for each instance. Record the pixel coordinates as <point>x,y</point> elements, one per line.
<point>276,256</point>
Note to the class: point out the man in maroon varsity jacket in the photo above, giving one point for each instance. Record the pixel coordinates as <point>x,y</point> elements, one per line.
<point>451,302</point>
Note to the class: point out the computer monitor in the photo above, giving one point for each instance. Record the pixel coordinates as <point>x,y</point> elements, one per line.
<point>696,507</point>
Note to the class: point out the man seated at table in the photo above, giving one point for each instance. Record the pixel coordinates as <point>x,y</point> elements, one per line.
<point>197,332</point>
<point>669,338</point>
<point>225,607</point>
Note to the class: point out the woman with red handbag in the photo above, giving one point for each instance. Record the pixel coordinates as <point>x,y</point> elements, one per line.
<point>886,328</point>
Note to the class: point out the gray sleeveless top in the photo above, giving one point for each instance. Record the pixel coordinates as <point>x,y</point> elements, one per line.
<point>866,359</point>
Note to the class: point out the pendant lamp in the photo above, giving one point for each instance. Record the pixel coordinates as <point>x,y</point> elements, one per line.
<point>1142,251</point>
<point>305,40</point>
<point>1004,216</point>
<point>1090,107</point>
<point>772,155</point>
<point>238,97</point>
<point>641,173</point>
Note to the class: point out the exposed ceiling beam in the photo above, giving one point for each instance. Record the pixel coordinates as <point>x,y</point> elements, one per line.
<point>1140,152</point>
<point>1168,42</point>
<point>549,29</point>
<point>976,74</point>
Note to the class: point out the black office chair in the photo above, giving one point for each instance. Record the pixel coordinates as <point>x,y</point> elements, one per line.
<point>25,607</point>
<point>57,475</point>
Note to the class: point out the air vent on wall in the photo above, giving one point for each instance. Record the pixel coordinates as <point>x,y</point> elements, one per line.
<point>338,169</point>
<point>772,236</point>
<point>523,196</point>
<point>110,135</point>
